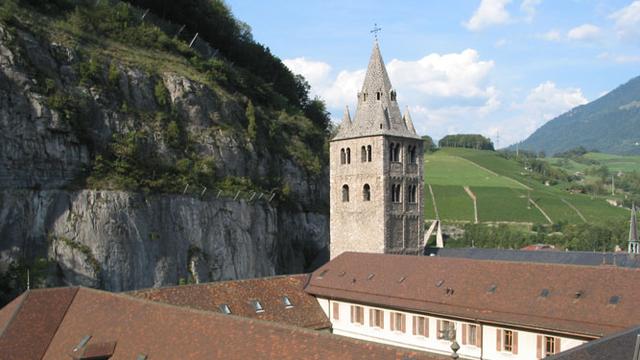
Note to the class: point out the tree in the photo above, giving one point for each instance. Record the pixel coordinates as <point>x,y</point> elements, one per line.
<point>470,141</point>
<point>429,145</point>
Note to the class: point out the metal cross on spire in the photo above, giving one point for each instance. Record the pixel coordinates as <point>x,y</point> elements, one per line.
<point>376,30</point>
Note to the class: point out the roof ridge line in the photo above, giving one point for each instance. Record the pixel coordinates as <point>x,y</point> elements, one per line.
<point>61,320</point>
<point>15,312</point>
<point>211,283</point>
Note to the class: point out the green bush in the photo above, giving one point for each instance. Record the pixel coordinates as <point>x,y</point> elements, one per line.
<point>161,93</point>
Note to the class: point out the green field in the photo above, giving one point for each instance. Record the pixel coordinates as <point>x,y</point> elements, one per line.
<point>616,162</point>
<point>503,188</point>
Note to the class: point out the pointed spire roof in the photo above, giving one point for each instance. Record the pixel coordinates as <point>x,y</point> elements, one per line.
<point>346,117</point>
<point>408,121</point>
<point>378,112</point>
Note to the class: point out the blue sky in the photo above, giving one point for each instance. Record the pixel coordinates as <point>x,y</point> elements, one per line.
<point>483,66</point>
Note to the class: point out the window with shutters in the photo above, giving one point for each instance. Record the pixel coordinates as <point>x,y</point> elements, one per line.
<point>446,330</point>
<point>357,314</point>
<point>336,311</point>
<point>507,340</point>
<point>376,318</point>
<point>398,321</point>
<point>550,345</point>
<point>421,326</point>
<point>470,335</point>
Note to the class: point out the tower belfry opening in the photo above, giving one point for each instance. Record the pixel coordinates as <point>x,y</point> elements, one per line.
<point>387,218</point>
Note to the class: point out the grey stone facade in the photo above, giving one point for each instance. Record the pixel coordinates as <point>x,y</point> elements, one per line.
<point>376,173</point>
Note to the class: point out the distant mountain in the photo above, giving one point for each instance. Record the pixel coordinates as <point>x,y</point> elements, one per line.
<point>610,124</point>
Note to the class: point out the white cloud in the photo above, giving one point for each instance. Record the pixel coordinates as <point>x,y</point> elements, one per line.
<point>445,91</point>
<point>627,20</point>
<point>447,75</point>
<point>543,103</point>
<point>552,35</point>
<point>500,43</point>
<point>584,32</point>
<point>490,12</point>
<point>313,71</point>
<point>620,59</point>
<point>529,8</point>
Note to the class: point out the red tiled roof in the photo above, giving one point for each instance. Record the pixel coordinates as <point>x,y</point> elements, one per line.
<point>237,294</point>
<point>35,319</point>
<point>465,284</point>
<point>7,312</point>
<point>163,331</point>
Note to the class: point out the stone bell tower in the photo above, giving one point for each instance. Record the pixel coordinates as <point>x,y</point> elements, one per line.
<point>376,171</point>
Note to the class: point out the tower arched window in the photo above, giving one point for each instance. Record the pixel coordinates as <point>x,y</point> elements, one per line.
<point>378,95</point>
<point>412,154</point>
<point>366,192</point>
<point>391,151</point>
<point>343,157</point>
<point>348,156</point>
<point>396,153</point>
<point>395,193</point>
<point>368,152</point>
<point>363,154</point>
<point>412,191</point>
<point>345,193</point>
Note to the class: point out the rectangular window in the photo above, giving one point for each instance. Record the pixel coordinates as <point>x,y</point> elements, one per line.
<point>398,321</point>
<point>446,330</point>
<point>357,314</point>
<point>421,326</point>
<point>470,335</point>
<point>336,311</point>
<point>549,345</point>
<point>507,340</point>
<point>376,318</point>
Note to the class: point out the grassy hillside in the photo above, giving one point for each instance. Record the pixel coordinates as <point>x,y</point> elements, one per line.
<point>502,189</point>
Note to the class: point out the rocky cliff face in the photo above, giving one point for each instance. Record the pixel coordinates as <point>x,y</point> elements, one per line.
<point>121,240</point>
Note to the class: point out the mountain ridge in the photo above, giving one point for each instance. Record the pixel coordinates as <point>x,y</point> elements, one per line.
<point>609,124</point>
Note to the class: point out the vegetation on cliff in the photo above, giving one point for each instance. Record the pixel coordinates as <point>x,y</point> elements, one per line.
<point>159,152</point>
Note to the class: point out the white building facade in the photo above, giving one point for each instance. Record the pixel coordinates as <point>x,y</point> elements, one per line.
<point>426,332</point>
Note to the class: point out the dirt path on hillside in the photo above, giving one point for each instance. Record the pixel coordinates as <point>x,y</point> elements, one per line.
<point>574,209</point>
<point>433,199</point>
<point>475,202</point>
<point>541,211</point>
<point>496,174</point>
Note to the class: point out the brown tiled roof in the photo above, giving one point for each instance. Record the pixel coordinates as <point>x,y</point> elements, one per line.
<point>35,318</point>
<point>7,312</point>
<point>578,300</point>
<point>238,294</point>
<point>164,331</point>
<point>617,346</point>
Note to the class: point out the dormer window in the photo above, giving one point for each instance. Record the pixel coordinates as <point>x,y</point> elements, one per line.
<point>378,95</point>
<point>393,95</point>
<point>287,302</point>
<point>364,96</point>
<point>257,306</point>
<point>225,309</point>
